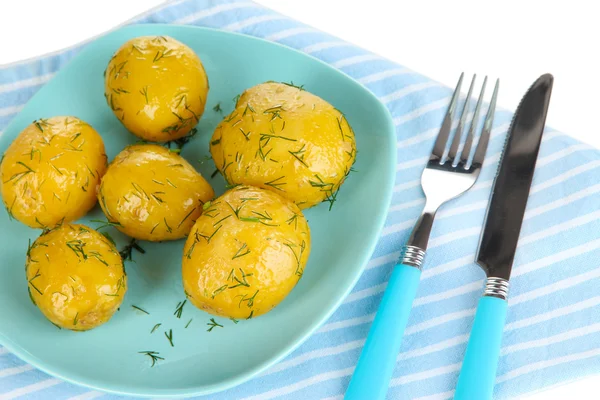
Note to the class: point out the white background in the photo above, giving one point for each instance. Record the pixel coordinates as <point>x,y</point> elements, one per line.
<point>514,40</point>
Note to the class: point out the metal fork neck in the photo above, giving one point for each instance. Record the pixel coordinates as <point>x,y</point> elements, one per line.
<point>419,237</point>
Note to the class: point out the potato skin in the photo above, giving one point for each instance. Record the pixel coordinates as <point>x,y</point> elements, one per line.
<point>282,138</point>
<point>153,193</point>
<point>157,87</point>
<point>51,170</point>
<point>245,253</point>
<point>75,276</point>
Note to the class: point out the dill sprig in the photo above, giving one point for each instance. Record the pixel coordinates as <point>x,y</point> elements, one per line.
<point>267,137</point>
<point>105,224</point>
<point>37,275</point>
<point>179,309</point>
<point>186,217</point>
<point>77,246</point>
<point>298,258</point>
<point>238,282</point>
<point>217,108</point>
<point>154,355</point>
<point>248,108</point>
<point>167,225</point>
<point>140,309</point>
<point>249,300</point>
<point>164,54</point>
<point>20,175</point>
<point>126,253</point>
<point>221,220</point>
<point>275,183</point>
<point>274,111</point>
<point>169,336</point>
<point>246,135</point>
<point>212,325</point>
<point>259,217</point>
<point>144,92</point>
<point>299,155</point>
<point>235,321</point>
<point>339,124</point>
<point>301,87</point>
<point>41,124</point>
<point>208,238</point>
<point>182,141</point>
<point>219,290</point>
<point>242,251</point>
<point>188,324</point>
<point>155,328</point>
<point>293,220</point>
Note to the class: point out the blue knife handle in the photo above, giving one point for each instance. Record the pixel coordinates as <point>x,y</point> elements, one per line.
<point>478,371</point>
<point>378,358</point>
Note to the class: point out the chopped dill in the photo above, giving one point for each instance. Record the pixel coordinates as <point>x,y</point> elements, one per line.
<point>140,309</point>
<point>212,325</point>
<point>169,336</point>
<point>126,253</point>
<point>154,355</point>
<point>275,183</point>
<point>301,87</point>
<point>179,309</point>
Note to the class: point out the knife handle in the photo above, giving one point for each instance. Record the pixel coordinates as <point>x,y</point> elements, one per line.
<point>375,367</point>
<point>478,371</point>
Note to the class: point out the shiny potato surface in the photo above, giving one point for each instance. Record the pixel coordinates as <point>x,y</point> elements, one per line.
<point>152,193</point>
<point>283,138</point>
<point>51,170</point>
<point>75,276</point>
<point>245,253</point>
<point>157,87</point>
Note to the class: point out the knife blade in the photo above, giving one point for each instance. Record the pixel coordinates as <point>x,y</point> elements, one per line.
<point>506,208</point>
<point>499,239</point>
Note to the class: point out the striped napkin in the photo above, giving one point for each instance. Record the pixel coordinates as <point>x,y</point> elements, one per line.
<point>552,333</point>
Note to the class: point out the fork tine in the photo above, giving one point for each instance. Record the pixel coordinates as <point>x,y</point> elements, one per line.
<point>442,138</point>
<point>487,128</point>
<point>461,123</point>
<point>466,151</point>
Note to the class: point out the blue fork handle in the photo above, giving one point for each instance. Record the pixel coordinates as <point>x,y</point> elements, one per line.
<point>378,358</point>
<point>478,371</point>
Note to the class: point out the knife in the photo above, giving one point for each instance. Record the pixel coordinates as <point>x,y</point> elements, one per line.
<point>499,239</point>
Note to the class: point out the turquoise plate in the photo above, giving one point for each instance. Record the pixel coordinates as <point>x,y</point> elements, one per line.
<point>201,362</point>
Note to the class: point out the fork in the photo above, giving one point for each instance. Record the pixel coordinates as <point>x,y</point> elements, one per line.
<point>446,176</point>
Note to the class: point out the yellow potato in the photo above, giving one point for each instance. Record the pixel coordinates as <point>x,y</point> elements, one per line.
<point>283,138</point>
<point>76,277</point>
<point>245,253</point>
<point>51,170</point>
<point>152,193</point>
<point>157,87</point>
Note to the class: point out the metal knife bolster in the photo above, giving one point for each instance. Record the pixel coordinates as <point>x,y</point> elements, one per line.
<point>496,287</point>
<point>506,208</point>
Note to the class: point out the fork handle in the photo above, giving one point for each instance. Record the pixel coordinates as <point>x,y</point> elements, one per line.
<point>378,358</point>
<point>478,371</point>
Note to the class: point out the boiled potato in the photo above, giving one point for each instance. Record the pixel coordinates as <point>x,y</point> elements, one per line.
<point>152,193</point>
<point>157,87</point>
<point>51,170</point>
<point>245,253</point>
<point>283,138</point>
<point>75,276</point>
